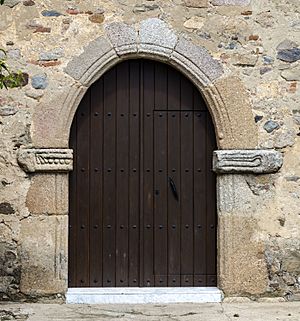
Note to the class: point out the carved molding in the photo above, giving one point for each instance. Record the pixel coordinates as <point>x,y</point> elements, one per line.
<point>247,161</point>
<point>46,160</point>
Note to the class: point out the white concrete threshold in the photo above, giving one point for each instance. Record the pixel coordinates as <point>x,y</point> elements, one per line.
<point>143,295</point>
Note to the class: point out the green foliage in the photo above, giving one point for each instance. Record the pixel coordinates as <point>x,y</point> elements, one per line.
<point>9,79</point>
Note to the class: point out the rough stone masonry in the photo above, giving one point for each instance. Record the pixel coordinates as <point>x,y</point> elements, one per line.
<point>256,45</point>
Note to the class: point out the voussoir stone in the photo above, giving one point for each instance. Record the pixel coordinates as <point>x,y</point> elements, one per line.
<point>156,32</point>
<point>230,2</point>
<point>98,50</point>
<point>199,57</point>
<point>122,36</point>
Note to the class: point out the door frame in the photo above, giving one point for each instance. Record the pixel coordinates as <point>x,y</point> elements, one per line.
<point>236,134</point>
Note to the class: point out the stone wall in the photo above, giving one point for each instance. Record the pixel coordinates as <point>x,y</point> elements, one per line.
<point>257,45</point>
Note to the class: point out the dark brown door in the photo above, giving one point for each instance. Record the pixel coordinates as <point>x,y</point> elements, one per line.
<point>142,193</point>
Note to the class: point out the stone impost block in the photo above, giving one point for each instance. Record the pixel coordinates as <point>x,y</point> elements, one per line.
<point>155,32</point>
<point>197,58</point>
<point>123,37</point>
<point>46,160</point>
<point>247,161</point>
<point>99,52</point>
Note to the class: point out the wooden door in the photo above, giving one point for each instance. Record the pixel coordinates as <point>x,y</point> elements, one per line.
<point>142,193</point>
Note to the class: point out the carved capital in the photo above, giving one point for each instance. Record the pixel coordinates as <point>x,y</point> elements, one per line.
<point>45,160</point>
<point>247,161</point>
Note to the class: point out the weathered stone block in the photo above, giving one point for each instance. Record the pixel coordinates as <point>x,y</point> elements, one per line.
<point>98,52</point>
<point>199,57</point>
<point>48,194</point>
<point>247,161</point>
<point>44,255</point>
<point>46,160</point>
<point>231,2</point>
<point>156,32</point>
<point>196,3</point>
<point>122,36</point>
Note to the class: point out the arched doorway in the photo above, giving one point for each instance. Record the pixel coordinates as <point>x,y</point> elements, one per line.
<point>142,193</point>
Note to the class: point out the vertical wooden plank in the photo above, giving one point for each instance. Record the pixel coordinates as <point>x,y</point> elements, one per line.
<point>134,180</point>
<point>160,199</point>
<point>122,173</point>
<point>83,188</point>
<point>96,188</point>
<point>161,177</point>
<point>109,179</point>
<point>199,192</point>
<point>211,206</point>
<point>187,188</point>
<point>147,235</point>
<point>73,208</point>
<point>174,175</point>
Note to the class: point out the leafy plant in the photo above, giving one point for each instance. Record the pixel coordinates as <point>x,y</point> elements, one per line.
<point>8,78</point>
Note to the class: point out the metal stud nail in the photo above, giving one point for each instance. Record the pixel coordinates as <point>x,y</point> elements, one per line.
<point>81,281</point>
<point>96,114</point>
<point>148,170</point>
<point>96,226</point>
<point>160,227</point>
<point>134,281</point>
<point>82,227</point>
<point>173,226</point>
<point>148,226</point>
<point>83,169</point>
<point>95,281</point>
<point>122,115</point>
<point>148,115</point>
<point>187,170</point>
<point>109,114</point>
<point>134,170</point>
<point>199,226</point>
<point>160,170</point>
<point>108,226</point>
<point>121,227</point>
<point>133,226</point>
<point>187,226</point>
<point>160,115</point>
<point>122,170</point>
<point>173,170</point>
<point>212,226</point>
<point>96,169</point>
<point>109,170</point>
<point>174,280</point>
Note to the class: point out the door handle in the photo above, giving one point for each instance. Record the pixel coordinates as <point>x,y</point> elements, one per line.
<point>173,188</point>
